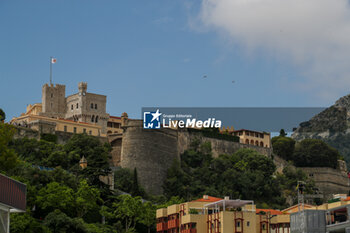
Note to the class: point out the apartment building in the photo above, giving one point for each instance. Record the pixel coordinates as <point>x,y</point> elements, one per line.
<point>216,215</point>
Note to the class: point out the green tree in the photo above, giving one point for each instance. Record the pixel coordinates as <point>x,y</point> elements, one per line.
<point>126,208</point>
<point>87,198</point>
<point>96,154</point>
<point>8,157</point>
<point>315,153</point>
<point>148,217</point>
<point>24,222</point>
<point>59,222</point>
<point>176,181</point>
<point>283,147</point>
<point>58,158</point>
<point>55,196</point>
<point>136,189</point>
<point>2,115</point>
<point>282,133</point>
<point>123,179</point>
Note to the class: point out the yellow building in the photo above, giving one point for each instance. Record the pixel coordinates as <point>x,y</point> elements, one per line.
<point>36,122</point>
<point>251,137</point>
<point>115,124</point>
<point>216,215</point>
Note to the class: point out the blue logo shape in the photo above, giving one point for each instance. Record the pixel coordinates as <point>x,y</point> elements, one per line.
<point>151,120</point>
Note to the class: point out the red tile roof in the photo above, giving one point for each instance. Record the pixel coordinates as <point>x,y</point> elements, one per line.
<point>210,199</point>
<point>271,211</point>
<point>253,131</point>
<point>115,117</point>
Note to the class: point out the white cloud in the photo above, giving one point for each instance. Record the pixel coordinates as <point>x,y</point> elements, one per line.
<point>313,35</point>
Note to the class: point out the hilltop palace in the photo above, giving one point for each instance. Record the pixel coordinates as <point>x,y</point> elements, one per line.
<point>82,112</point>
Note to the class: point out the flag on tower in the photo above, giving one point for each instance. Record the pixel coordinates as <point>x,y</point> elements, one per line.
<point>53,60</point>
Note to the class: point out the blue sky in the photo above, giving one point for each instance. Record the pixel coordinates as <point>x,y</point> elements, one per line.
<point>141,53</point>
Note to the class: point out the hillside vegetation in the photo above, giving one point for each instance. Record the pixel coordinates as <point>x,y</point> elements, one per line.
<point>245,174</point>
<point>306,153</point>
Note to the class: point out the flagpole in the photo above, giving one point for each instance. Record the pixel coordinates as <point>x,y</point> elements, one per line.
<point>50,71</point>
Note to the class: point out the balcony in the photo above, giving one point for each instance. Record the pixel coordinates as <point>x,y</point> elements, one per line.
<point>162,213</point>
<point>193,218</point>
<point>189,231</point>
<point>162,226</point>
<point>174,223</point>
<point>173,209</point>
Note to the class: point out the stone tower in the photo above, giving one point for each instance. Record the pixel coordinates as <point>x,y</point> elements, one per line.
<point>54,100</point>
<point>87,107</point>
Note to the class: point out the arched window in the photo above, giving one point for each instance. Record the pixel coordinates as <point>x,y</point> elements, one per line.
<point>256,143</point>
<point>252,142</point>
<point>77,105</point>
<point>96,120</point>
<point>247,141</point>
<point>71,107</point>
<point>92,105</point>
<point>92,118</point>
<point>109,132</point>
<point>262,144</point>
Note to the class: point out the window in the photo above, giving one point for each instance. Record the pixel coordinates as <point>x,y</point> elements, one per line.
<point>65,128</point>
<point>263,226</point>
<point>71,107</point>
<point>238,224</point>
<point>51,105</point>
<point>96,120</point>
<point>51,95</point>
<point>75,129</point>
<point>90,132</point>
<point>84,130</point>
<point>248,223</point>
<point>77,105</point>
<point>92,118</point>
<point>110,124</point>
<point>92,105</point>
<point>95,106</point>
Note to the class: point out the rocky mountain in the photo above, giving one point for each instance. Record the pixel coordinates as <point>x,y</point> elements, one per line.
<point>331,125</point>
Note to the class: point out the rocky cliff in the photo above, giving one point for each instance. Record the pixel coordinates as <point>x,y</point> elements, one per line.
<point>331,125</point>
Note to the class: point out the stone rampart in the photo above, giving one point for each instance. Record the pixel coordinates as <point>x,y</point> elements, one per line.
<point>151,152</point>
<point>328,180</point>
